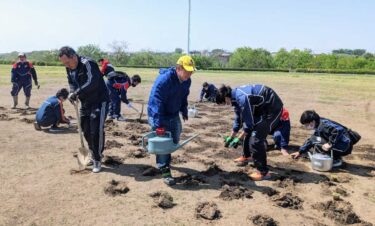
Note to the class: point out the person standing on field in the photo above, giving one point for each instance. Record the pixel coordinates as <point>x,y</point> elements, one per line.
<point>87,84</point>
<point>22,73</point>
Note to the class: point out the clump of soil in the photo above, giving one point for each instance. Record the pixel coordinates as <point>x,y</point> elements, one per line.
<point>207,210</point>
<point>151,171</point>
<point>112,160</point>
<point>240,175</point>
<point>79,172</point>
<point>288,201</point>
<point>139,153</point>
<point>340,179</point>
<point>118,134</point>
<point>262,220</point>
<point>212,170</point>
<point>178,159</point>
<point>4,117</point>
<point>115,188</point>
<point>27,120</point>
<point>163,199</point>
<point>135,140</point>
<point>341,191</point>
<point>286,183</point>
<point>270,192</point>
<point>235,192</point>
<point>340,211</point>
<point>138,128</point>
<point>109,144</point>
<point>190,180</point>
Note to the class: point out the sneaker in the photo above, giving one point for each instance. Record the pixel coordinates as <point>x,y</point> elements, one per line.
<point>337,163</point>
<point>167,176</point>
<point>121,118</point>
<point>258,176</point>
<point>37,126</point>
<point>113,116</point>
<point>97,167</point>
<point>243,159</point>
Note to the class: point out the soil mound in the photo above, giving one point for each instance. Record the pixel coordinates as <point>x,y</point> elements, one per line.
<point>235,192</point>
<point>116,188</point>
<point>208,211</point>
<point>163,199</point>
<point>288,201</point>
<point>262,220</point>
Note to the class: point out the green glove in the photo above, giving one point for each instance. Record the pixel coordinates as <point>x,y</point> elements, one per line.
<point>235,142</point>
<point>227,140</point>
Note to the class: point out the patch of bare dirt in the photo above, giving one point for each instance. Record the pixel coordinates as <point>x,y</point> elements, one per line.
<point>79,172</point>
<point>115,188</point>
<point>239,175</point>
<point>179,159</point>
<point>288,200</point>
<point>207,210</point>
<point>119,134</point>
<point>139,153</point>
<point>109,144</point>
<point>190,180</point>
<point>150,171</point>
<point>212,170</point>
<point>235,192</point>
<point>112,160</point>
<point>163,199</point>
<point>270,192</point>
<point>27,120</point>
<point>340,211</point>
<point>262,220</point>
<point>5,117</point>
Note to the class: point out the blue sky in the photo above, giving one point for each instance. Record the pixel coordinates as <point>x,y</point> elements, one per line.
<point>320,25</point>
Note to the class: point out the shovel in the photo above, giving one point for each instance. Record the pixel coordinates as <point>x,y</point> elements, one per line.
<point>83,153</point>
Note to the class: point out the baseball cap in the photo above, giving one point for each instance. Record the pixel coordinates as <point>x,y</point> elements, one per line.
<point>187,63</point>
<point>21,54</point>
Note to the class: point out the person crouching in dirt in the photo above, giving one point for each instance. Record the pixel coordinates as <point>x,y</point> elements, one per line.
<point>87,84</point>
<point>258,109</point>
<point>51,112</point>
<point>208,92</point>
<point>22,73</point>
<point>118,84</point>
<point>281,134</point>
<point>335,137</point>
<point>107,69</point>
<point>168,98</point>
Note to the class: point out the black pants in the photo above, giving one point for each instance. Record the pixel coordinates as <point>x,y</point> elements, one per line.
<point>255,143</point>
<point>92,123</point>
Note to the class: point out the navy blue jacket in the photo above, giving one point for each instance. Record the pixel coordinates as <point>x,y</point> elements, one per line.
<point>210,92</point>
<point>333,133</point>
<point>23,70</point>
<point>87,82</point>
<point>124,83</point>
<point>50,112</point>
<point>168,97</point>
<point>250,103</point>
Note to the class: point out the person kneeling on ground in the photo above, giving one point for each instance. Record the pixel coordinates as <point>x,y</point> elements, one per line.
<point>208,92</point>
<point>118,86</point>
<point>336,137</point>
<point>258,108</point>
<point>282,133</point>
<point>51,112</point>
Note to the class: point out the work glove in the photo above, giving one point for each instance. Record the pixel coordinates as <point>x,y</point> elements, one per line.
<point>37,85</point>
<point>160,131</point>
<point>227,141</point>
<point>72,97</point>
<point>130,105</point>
<point>234,143</point>
<point>185,118</point>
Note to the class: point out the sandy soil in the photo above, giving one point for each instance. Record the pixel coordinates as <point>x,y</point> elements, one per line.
<point>40,184</point>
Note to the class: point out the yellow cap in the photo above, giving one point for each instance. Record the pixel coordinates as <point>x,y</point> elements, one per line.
<point>187,63</point>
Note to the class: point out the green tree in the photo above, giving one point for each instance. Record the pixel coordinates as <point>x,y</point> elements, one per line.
<point>247,57</point>
<point>118,56</point>
<point>92,51</point>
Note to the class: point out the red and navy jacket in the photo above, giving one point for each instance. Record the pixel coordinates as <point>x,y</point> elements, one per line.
<point>107,68</point>
<point>23,70</point>
<point>121,83</point>
<point>87,82</point>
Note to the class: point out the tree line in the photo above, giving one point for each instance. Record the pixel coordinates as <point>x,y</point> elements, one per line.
<point>244,58</point>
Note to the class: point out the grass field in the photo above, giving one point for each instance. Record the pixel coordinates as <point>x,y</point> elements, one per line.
<point>40,184</point>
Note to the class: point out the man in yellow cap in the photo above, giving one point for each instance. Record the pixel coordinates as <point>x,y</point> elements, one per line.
<point>168,98</point>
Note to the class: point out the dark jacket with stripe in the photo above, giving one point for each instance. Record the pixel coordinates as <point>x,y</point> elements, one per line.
<point>87,82</point>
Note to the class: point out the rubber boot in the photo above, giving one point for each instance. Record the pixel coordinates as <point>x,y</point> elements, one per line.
<point>27,102</point>
<point>15,102</point>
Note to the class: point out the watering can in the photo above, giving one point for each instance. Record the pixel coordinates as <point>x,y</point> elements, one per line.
<point>319,161</point>
<point>162,145</point>
<point>192,112</point>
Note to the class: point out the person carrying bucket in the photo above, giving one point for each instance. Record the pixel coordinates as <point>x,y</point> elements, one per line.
<point>168,98</point>
<point>335,137</point>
